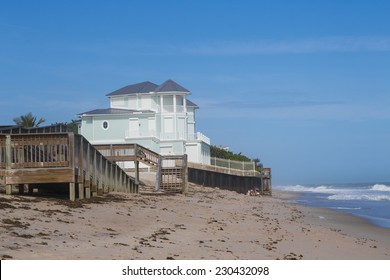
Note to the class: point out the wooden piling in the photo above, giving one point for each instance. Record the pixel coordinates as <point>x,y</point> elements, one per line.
<point>8,164</point>
<point>72,191</point>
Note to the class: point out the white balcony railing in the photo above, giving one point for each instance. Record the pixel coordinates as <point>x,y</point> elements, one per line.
<point>199,136</point>
<point>171,109</point>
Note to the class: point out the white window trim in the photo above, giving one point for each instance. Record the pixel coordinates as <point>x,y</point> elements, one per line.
<point>108,125</point>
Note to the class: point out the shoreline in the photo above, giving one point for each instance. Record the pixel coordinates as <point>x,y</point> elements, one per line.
<point>346,222</point>
<point>206,224</point>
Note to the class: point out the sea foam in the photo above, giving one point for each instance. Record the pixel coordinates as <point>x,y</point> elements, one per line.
<point>359,197</point>
<point>379,187</point>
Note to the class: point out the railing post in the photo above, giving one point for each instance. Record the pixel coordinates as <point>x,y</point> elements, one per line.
<point>8,164</point>
<point>185,175</point>
<point>81,169</point>
<point>158,173</point>
<point>136,164</point>
<point>72,188</point>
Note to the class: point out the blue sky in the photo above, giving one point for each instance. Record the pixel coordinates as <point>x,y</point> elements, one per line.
<point>303,85</point>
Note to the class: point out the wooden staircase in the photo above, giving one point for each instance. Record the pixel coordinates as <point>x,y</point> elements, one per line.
<point>170,170</point>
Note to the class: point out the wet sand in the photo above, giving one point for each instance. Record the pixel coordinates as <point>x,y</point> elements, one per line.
<point>206,224</point>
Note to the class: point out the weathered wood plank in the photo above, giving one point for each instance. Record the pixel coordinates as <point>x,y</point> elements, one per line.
<point>36,175</point>
<point>121,158</point>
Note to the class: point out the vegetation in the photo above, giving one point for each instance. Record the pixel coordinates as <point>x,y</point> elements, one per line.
<point>28,120</point>
<point>221,153</point>
<point>72,126</point>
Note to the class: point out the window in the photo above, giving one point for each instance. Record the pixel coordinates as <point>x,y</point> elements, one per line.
<point>105,125</point>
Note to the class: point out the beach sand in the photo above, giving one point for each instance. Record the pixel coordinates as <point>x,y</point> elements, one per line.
<point>205,224</point>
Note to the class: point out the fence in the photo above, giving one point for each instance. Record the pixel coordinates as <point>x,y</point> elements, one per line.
<point>233,164</point>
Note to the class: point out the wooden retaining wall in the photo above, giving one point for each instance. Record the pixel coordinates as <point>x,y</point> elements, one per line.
<point>223,178</point>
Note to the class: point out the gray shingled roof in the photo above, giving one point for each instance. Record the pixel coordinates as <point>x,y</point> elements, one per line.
<point>113,111</point>
<point>143,87</point>
<point>146,87</point>
<point>191,104</point>
<point>170,86</point>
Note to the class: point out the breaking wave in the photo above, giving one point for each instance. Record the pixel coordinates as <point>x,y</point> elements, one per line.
<point>374,197</point>
<point>377,192</point>
<point>379,187</point>
<point>300,188</point>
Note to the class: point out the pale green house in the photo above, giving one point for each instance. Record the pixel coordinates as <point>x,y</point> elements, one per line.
<point>158,117</point>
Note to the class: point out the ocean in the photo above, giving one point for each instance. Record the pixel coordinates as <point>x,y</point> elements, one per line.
<point>368,201</point>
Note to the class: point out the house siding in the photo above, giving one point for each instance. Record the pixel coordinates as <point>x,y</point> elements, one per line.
<point>160,121</point>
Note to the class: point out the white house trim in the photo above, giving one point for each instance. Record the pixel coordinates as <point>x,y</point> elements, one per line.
<point>156,116</point>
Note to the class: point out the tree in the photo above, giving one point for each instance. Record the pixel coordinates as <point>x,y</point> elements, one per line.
<point>72,126</point>
<point>28,121</point>
<point>221,153</point>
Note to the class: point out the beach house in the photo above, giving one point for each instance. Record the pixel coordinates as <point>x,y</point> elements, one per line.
<point>158,117</point>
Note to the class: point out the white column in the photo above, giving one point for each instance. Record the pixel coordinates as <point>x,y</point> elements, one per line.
<point>161,116</point>
<point>175,130</point>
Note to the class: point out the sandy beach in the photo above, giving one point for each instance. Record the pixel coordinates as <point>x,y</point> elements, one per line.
<point>205,224</point>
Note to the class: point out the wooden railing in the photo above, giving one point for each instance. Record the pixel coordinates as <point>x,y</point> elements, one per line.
<point>60,158</point>
<point>128,152</point>
<point>38,150</point>
<point>97,171</point>
<point>15,129</point>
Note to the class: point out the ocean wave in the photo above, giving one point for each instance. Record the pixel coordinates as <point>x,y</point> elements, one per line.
<point>379,187</point>
<point>300,188</point>
<point>359,197</point>
<point>347,208</point>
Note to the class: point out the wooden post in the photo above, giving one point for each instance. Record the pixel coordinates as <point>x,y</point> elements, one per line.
<point>111,184</point>
<point>87,172</point>
<point>121,188</point>
<point>81,170</point>
<point>136,163</point>
<point>114,185</point>
<point>101,176</point>
<point>71,150</point>
<point>72,191</point>
<point>94,174</point>
<point>8,187</point>
<point>158,173</point>
<point>106,177</point>
<point>185,175</point>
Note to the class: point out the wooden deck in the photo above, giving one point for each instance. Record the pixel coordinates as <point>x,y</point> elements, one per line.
<point>52,158</point>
